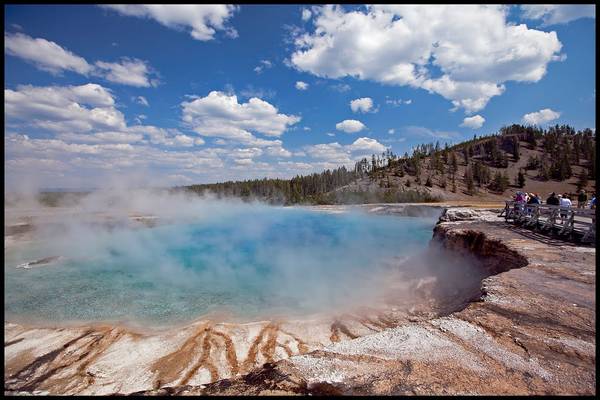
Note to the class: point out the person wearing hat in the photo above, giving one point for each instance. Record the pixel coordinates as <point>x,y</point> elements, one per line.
<point>533,199</point>
<point>565,204</point>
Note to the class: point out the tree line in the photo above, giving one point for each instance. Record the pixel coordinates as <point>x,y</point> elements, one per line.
<point>559,148</point>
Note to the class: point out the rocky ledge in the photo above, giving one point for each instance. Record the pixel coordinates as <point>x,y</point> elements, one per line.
<point>531,332</point>
<point>530,329</point>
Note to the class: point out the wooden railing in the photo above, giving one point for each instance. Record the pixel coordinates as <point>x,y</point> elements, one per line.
<point>567,221</point>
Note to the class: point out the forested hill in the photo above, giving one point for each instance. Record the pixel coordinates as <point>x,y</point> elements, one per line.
<point>556,159</point>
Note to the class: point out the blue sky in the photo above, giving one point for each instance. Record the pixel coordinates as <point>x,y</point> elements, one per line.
<point>164,95</point>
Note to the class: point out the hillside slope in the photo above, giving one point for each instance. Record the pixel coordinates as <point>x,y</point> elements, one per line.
<point>558,160</point>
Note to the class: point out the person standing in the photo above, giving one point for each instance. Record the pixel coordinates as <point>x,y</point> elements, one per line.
<point>552,200</point>
<point>534,199</point>
<point>565,205</point>
<point>519,203</point>
<point>520,197</point>
<point>582,199</point>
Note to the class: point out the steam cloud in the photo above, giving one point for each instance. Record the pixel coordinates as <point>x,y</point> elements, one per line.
<point>206,254</point>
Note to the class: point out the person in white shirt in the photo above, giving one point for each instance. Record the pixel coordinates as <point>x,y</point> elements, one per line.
<point>565,204</point>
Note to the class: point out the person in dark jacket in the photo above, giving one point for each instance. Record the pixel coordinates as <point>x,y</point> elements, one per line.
<point>533,199</point>
<point>581,199</point>
<point>552,200</point>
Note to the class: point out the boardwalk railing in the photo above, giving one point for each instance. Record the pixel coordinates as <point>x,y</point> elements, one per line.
<point>567,221</point>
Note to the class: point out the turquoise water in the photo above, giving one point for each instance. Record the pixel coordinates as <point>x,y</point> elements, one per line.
<point>259,262</point>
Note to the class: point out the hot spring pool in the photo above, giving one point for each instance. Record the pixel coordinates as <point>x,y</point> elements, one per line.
<point>249,264</point>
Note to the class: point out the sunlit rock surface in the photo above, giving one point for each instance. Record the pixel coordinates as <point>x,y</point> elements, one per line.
<point>528,329</point>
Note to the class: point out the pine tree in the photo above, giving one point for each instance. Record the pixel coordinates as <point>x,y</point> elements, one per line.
<point>576,149</point>
<point>440,166</point>
<point>435,161</point>
<point>453,162</point>
<point>544,171</point>
<point>445,153</point>
<point>428,181</point>
<point>505,181</point>
<point>567,149</point>
<point>417,165</point>
<point>500,182</point>
<point>561,168</point>
<point>494,153</point>
<point>373,163</point>
<point>503,160</point>
<point>516,148</point>
<point>469,181</point>
<point>583,180</point>
<point>531,139</point>
<point>521,179</point>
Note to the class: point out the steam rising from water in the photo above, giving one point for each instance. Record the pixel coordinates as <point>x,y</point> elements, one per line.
<point>204,255</point>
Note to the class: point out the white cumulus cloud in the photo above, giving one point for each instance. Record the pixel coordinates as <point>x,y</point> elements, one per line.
<point>365,144</point>
<point>45,54</point>
<point>474,122</point>
<point>337,154</point>
<point>301,85</point>
<point>221,115</point>
<point>474,46</point>
<point>306,14</point>
<point>82,114</point>
<point>364,105</point>
<point>49,56</point>
<point>81,108</point>
<point>541,117</point>
<point>202,20</point>
<point>132,72</point>
<point>350,126</point>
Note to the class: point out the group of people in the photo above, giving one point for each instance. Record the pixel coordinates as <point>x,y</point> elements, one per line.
<point>527,198</point>
<point>524,205</point>
<point>562,200</point>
